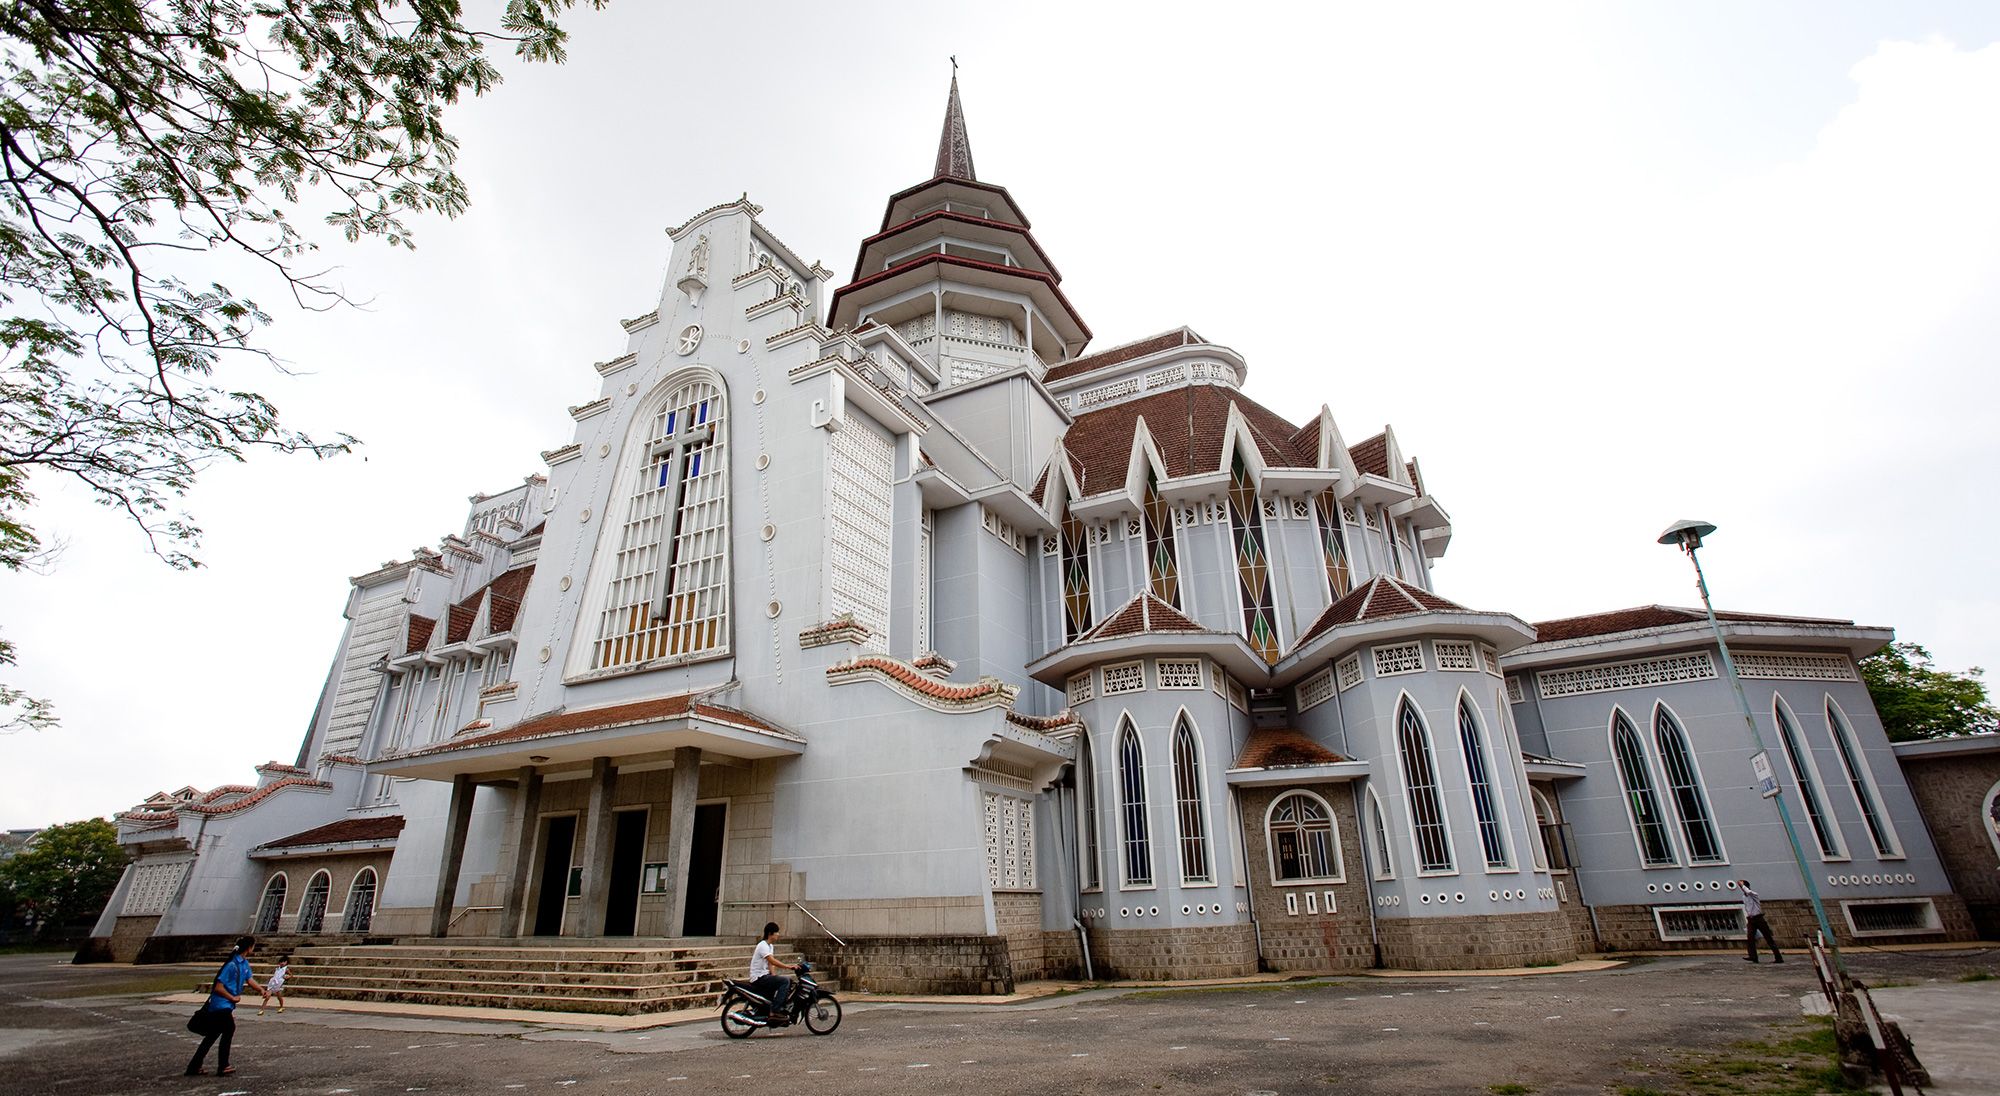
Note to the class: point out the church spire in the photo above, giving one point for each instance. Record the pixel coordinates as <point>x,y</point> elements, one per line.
<point>954,158</point>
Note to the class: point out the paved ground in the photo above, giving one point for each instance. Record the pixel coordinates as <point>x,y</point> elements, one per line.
<point>97,1030</point>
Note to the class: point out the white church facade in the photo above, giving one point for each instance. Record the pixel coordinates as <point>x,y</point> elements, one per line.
<point>880,608</point>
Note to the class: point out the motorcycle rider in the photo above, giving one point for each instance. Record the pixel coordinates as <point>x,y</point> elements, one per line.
<point>774,987</point>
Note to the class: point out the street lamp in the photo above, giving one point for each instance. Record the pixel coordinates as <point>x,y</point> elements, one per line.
<point>1687,536</point>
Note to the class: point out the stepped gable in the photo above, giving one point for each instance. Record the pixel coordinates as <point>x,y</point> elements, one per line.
<point>1187,425</point>
<point>1118,355</point>
<point>1656,616</point>
<point>614,715</point>
<point>1379,598</point>
<point>381,828</point>
<point>1143,615</point>
<point>1277,748</point>
<point>1371,457</point>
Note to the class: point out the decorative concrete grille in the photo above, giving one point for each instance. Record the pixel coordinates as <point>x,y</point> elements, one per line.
<point>1455,655</point>
<point>1049,545</point>
<point>1374,522</point>
<point>925,536</point>
<point>965,372</point>
<point>1301,508</point>
<point>1213,371</point>
<point>692,543</point>
<point>1107,393</point>
<point>923,327</point>
<point>1161,378</point>
<point>1490,660</point>
<point>153,887</point>
<point>1132,528</point>
<point>1794,667</point>
<point>1699,922</point>
<point>1127,678</point>
<point>1347,515</point>
<point>1100,534</point>
<point>1180,673</point>
<point>968,325</point>
<point>860,469</point>
<point>1315,690</point>
<point>1270,509</point>
<point>1008,535</point>
<point>1626,675</point>
<point>1515,694</point>
<point>1238,699</point>
<point>1892,917</point>
<point>1349,672</point>
<point>1401,658</point>
<point>1079,689</point>
<point>1010,842</point>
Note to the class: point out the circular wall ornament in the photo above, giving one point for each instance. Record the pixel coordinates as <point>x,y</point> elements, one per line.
<point>773,609</point>
<point>583,517</point>
<point>604,450</point>
<point>545,654</point>
<point>743,346</point>
<point>757,396</point>
<point>632,389</point>
<point>690,338</point>
<point>768,531</point>
<point>763,461</point>
<point>563,584</point>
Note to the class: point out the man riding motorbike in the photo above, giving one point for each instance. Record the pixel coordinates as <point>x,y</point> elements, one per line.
<point>772,987</point>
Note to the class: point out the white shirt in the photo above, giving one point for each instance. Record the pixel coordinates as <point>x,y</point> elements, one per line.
<point>277,980</point>
<point>1752,905</point>
<point>760,959</point>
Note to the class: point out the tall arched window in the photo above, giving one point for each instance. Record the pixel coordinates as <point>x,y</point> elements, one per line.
<point>1333,546</point>
<point>1075,576</point>
<point>1485,799</point>
<point>1805,775</point>
<point>1086,811</point>
<point>1253,562</point>
<point>1190,814</point>
<point>1163,569</point>
<point>360,902</point>
<point>1684,787</point>
<point>1427,821</point>
<point>1132,810</point>
<point>272,907</point>
<point>1378,830</point>
<point>1304,848</point>
<point>1862,782</point>
<point>312,909</point>
<point>1549,852</point>
<point>667,595</point>
<point>1656,849</point>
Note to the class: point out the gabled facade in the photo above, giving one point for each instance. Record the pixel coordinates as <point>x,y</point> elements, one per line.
<point>996,658</point>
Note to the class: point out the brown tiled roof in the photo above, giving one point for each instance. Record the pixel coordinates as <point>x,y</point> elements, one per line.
<point>1166,340</point>
<point>255,797</point>
<point>919,682</point>
<point>1064,718</point>
<point>597,719</point>
<point>1041,483</point>
<point>458,618</point>
<point>420,633</point>
<point>507,591</point>
<point>1379,598</point>
<point>1304,441</point>
<point>1371,457</point>
<point>1187,424</point>
<point>1276,748</point>
<point>1144,614</point>
<point>1411,467</point>
<point>1652,616</point>
<point>345,830</point>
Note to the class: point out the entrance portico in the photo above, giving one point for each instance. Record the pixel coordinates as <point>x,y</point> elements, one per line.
<point>578,772</point>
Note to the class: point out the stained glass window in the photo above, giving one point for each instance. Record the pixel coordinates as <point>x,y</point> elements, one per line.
<point>1253,562</point>
<point>1075,576</point>
<point>1162,568</point>
<point>1333,545</point>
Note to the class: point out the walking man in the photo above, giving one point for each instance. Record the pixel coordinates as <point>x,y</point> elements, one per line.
<point>231,982</point>
<point>1753,918</point>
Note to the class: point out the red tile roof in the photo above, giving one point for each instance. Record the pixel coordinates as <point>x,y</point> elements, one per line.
<point>343,831</point>
<point>1415,481</point>
<point>1652,616</point>
<point>507,591</point>
<point>1380,598</point>
<point>1371,457</point>
<point>1044,723</point>
<point>1187,424</point>
<point>420,633</point>
<point>916,681</point>
<point>1143,615</point>
<point>1277,748</point>
<point>255,797</point>
<point>1152,344</point>
<point>597,719</point>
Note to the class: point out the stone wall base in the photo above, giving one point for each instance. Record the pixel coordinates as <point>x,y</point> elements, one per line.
<point>1211,951</point>
<point>128,937</point>
<point>1476,943</point>
<point>914,964</point>
<point>1633,928</point>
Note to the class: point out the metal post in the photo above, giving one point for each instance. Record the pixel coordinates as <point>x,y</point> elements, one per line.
<point>1757,738</point>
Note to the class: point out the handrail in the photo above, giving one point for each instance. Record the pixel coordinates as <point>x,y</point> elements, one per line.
<point>460,915</point>
<point>821,924</point>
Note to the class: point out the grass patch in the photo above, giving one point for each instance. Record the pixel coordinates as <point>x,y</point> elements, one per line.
<point>37,949</point>
<point>1509,1089</point>
<point>1639,1090</point>
<point>1801,1060</point>
<point>1978,976</point>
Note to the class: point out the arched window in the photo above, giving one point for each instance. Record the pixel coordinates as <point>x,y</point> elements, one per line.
<point>1485,799</point>
<point>1989,816</point>
<point>1656,848</point>
<point>1862,782</point>
<point>666,543</point>
<point>1302,839</point>
<point>1378,837</point>
<point>1427,821</point>
<point>272,907</point>
<point>1075,576</point>
<point>1132,810</point>
<point>312,909</point>
<point>1163,570</point>
<point>1549,850</point>
<point>1684,787</point>
<point>1253,562</point>
<point>1189,812</point>
<point>1805,775</point>
<point>360,902</point>
<point>1333,546</point>
<point>1086,811</point>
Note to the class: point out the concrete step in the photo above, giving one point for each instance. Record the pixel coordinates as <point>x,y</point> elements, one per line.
<point>617,1005</point>
<point>311,976</point>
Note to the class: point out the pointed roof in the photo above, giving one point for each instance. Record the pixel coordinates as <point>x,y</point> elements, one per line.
<point>1281,747</point>
<point>1379,598</point>
<point>1142,615</point>
<point>954,158</point>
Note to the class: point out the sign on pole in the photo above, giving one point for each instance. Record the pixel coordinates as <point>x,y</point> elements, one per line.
<point>1767,781</point>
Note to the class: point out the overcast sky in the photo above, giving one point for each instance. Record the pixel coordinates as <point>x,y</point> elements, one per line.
<point>1602,267</point>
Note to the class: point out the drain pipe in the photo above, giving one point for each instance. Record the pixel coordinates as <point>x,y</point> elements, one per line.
<point>1071,840</point>
<point>1368,869</point>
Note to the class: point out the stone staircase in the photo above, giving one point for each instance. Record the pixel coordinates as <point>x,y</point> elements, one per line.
<point>625,978</point>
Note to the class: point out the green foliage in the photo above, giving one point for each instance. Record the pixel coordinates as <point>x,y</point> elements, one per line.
<point>1509,1088</point>
<point>145,145</point>
<point>65,875</point>
<point>1917,701</point>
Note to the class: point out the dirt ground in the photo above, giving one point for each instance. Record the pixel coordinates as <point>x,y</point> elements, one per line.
<point>1685,1024</point>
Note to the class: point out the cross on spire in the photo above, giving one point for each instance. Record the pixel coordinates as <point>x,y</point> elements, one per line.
<point>954,158</point>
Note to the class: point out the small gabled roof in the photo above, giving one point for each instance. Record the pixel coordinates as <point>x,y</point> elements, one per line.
<point>1187,425</point>
<point>421,628</point>
<point>1371,457</point>
<point>1143,615</point>
<point>1380,598</point>
<point>1277,747</point>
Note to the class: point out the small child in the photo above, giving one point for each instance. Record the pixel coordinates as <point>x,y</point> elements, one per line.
<point>274,986</point>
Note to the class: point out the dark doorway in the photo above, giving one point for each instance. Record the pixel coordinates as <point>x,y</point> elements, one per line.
<point>704,870</point>
<point>628,857</point>
<point>558,845</point>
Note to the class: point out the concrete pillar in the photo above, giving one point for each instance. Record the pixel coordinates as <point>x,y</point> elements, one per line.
<point>597,835</point>
<point>527,816</point>
<point>680,831</point>
<point>457,821</point>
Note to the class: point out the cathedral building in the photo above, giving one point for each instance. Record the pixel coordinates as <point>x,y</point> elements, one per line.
<point>885,608</point>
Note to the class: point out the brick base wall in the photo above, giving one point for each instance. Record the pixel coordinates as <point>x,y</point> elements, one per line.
<point>1583,934</point>
<point>1633,928</point>
<point>1306,937</point>
<point>1219,951</point>
<point>1476,943</point>
<point>1950,792</point>
<point>915,964</point>
<point>1017,918</point>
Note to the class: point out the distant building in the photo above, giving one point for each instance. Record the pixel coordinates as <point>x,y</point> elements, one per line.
<point>907,612</point>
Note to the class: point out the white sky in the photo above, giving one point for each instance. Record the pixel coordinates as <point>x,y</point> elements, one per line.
<point>1603,267</point>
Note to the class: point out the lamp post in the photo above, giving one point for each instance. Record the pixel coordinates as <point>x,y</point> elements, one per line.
<point>1687,536</point>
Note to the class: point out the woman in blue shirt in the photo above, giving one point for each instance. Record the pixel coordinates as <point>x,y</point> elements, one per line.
<point>230,983</point>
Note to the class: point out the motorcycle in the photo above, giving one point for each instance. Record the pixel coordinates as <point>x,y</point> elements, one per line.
<point>744,1010</point>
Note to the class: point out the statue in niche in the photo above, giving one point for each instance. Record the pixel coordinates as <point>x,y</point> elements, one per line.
<point>695,279</point>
